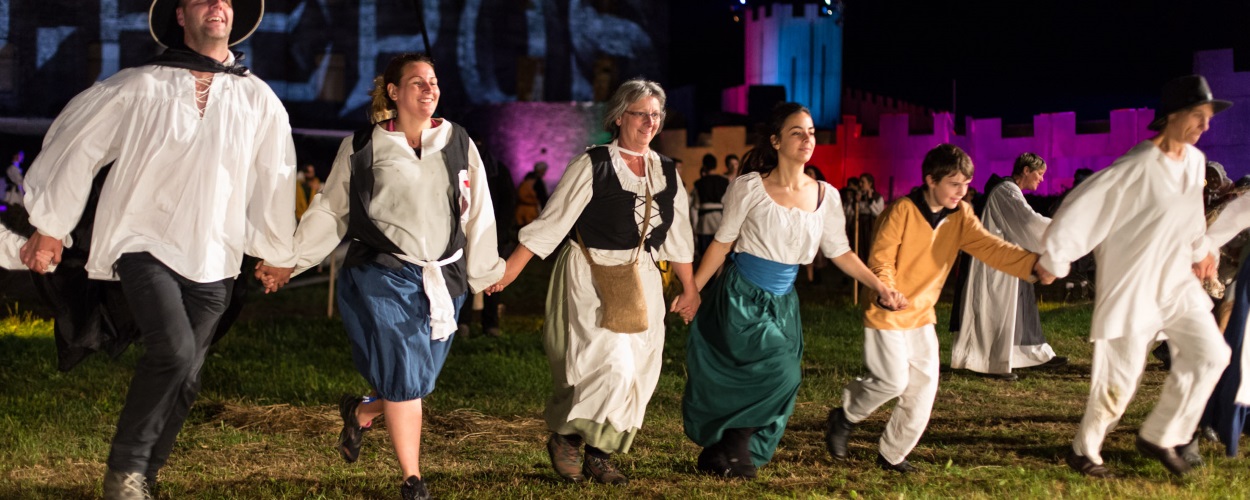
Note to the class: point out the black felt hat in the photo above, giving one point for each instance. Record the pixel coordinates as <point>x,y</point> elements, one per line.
<point>163,21</point>
<point>1183,93</point>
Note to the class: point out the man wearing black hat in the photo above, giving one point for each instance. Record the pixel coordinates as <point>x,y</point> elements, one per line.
<point>203,163</point>
<point>1143,218</point>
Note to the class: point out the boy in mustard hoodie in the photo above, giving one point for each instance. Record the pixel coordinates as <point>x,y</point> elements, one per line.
<point>917,240</point>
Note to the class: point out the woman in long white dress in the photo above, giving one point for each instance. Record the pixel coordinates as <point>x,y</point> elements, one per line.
<point>603,379</point>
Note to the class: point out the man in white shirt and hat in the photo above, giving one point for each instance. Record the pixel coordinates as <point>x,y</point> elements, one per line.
<point>203,164</point>
<point>1143,218</point>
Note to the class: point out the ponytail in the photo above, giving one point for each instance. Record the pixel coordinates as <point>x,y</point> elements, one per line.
<point>382,108</point>
<point>763,157</point>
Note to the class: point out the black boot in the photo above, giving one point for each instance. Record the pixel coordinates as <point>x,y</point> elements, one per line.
<point>712,461</point>
<point>737,446</point>
<point>837,432</point>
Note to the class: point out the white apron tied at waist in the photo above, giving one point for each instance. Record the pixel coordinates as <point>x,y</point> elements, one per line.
<point>442,310</point>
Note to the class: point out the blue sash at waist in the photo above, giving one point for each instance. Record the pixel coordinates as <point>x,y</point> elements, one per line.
<point>771,276</point>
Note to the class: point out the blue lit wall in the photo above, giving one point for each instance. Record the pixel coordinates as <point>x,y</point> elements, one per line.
<point>802,53</point>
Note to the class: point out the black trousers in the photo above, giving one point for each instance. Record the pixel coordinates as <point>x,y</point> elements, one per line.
<point>490,310</point>
<point>176,319</point>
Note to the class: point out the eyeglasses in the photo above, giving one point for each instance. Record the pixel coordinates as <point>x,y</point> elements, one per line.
<point>655,117</point>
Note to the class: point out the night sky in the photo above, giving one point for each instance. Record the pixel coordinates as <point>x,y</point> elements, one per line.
<point>1009,58</point>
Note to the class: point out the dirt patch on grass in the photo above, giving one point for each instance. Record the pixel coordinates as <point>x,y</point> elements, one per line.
<point>275,419</point>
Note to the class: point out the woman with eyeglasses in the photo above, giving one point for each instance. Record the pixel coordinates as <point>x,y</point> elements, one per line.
<point>619,204</point>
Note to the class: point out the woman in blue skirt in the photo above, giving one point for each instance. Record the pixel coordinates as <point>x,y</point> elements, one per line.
<point>410,195</point>
<point>746,342</point>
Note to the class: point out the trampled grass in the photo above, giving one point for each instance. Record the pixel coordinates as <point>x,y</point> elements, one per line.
<point>266,421</point>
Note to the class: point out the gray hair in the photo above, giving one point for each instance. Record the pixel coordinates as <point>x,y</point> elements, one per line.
<point>1030,161</point>
<point>628,93</point>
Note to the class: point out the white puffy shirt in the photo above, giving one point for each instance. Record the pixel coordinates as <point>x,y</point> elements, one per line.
<point>409,205</point>
<point>195,192</point>
<point>770,231</point>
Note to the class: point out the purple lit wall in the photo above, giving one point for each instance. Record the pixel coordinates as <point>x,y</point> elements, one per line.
<point>519,132</point>
<point>894,153</point>
<point>1228,141</point>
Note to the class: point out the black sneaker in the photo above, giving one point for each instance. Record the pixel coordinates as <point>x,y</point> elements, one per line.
<point>352,434</point>
<point>1166,456</point>
<point>903,467</point>
<point>414,489</point>
<point>837,432</point>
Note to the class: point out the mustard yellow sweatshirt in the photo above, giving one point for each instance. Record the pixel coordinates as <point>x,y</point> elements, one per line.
<point>914,258</point>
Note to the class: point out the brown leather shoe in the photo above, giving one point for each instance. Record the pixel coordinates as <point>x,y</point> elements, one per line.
<point>566,457</point>
<point>1086,466</point>
<point>603,470</point>
<point>1171,460</point>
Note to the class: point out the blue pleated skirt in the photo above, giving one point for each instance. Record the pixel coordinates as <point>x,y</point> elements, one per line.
<point>387,318</point>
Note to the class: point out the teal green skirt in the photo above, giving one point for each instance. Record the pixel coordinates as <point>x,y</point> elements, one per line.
<point>743,361</point>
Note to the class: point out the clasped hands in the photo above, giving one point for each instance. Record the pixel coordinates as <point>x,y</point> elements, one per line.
<point>1207,268</point>
<point>1043,276</point>
<point>272,277</point>
<point>41,253</point>
<point>891,299</point>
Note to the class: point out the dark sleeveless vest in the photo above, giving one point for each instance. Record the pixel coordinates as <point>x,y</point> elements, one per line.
<point>369,244</point>
<point>607,222</point>
<point>711,189</point>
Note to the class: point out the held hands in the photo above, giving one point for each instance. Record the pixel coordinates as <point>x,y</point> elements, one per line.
<point>1043,276</point>
<point>686,305</point>
<point>1206,269</point>
<point>273,277</point>
<point>41,253</point>
<point>510,273</point>
<point>889,298</point>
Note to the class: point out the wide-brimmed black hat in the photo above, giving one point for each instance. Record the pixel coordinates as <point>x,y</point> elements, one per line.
<point>163,21</point>
<point>1183,93</point>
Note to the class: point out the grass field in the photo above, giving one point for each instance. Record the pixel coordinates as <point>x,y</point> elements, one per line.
<point>266,420</point>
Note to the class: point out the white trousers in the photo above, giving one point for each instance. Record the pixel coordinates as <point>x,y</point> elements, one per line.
<point>1199,355</point>
<point>901,364</point>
